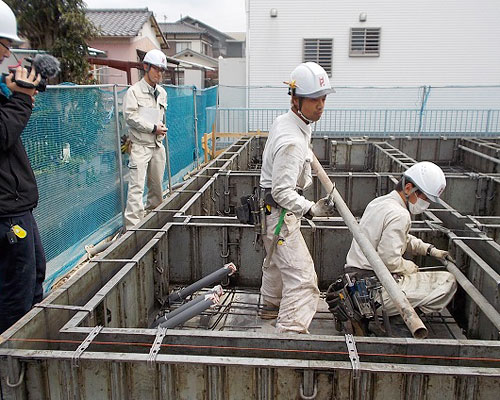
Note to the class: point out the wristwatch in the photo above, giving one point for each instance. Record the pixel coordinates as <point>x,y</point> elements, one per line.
<point>428,252</point>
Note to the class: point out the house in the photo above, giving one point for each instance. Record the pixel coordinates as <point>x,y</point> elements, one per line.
<point>198,43</point>
<point>366,43</point>
<point>195,45</point>
<point>219,39</point>
<point>125,35</point>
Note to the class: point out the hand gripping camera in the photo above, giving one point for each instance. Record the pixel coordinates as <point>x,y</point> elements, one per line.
<point>45,65</point>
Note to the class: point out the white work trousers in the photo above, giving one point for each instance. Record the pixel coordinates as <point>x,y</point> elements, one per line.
<point>429,291</point>
<point>144,161</point>
<point>290,280</point>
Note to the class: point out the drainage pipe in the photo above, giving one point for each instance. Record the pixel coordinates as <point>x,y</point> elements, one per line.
<point>217,290</point>
<point>226,270</point>
<point>475,294</point>
<point>209,300</point>
<point>410,317</point>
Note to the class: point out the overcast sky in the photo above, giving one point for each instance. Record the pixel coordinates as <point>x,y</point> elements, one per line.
<point>223,15</point>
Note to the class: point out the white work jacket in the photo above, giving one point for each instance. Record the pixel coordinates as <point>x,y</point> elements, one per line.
<point>142,112</point>
<point>286,162</point>
<point>386,223</point>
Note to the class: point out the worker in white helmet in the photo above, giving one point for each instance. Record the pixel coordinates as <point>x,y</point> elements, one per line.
<point>289,283</point>
<point>144,107</point>
<point>386,223</point>
<point>22,258</point>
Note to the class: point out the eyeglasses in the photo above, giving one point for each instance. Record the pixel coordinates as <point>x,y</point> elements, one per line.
<point>4,45</point>
<point>160,69</point>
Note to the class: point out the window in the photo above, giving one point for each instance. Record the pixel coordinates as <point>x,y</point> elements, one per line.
<point>179,46</point>
<point>206,48</point>
<point>365,42</point>
<point>319,51</point>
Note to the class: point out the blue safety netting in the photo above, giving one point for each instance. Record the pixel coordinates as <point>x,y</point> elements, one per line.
<point>72,140</point>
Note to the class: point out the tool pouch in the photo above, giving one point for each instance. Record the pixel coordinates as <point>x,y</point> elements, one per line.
<point>249,212</point>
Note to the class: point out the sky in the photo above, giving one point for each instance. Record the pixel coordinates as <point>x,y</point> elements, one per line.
<point>223,15</point>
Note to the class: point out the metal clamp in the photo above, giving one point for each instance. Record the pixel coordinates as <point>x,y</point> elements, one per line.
<point>353,354</point>
<point>83,346</point>
<point>155,348</point>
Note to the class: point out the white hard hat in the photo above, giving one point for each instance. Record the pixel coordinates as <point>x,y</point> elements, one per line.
<point>156,57</point>
<point>8,29</point>
<point>309,80</point>
<point>428,178</point>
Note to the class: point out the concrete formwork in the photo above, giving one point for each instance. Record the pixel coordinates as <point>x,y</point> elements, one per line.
<point>89,339</point>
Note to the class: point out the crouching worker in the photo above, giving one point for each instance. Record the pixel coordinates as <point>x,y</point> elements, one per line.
<point>289,283</point>
<point>386,223</point>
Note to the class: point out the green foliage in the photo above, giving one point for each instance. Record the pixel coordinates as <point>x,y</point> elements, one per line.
<point>61,28</point>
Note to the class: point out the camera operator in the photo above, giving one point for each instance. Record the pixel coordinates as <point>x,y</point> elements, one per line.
<point>22,259</point>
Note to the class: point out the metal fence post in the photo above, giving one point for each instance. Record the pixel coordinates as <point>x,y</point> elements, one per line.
<point>425,96</point>
<point>167,153</point>
<point>196,127</point>
<point>119,153</point>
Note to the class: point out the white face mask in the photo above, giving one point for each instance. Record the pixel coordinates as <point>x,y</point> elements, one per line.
<point>419,206</point>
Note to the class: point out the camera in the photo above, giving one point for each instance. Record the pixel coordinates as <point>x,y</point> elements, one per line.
<point>45,65</point>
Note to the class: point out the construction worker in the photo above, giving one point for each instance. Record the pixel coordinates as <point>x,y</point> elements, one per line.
<point>289,283</point>
<point>22,258</point>
<point>386,223</point>
<point>144,107</point>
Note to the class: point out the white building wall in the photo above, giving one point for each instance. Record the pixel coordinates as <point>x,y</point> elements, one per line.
<point>193,77</point>
<point>425,42</point>
<point>147,31</point>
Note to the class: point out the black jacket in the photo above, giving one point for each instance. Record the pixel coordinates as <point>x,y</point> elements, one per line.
<point>18,189</point>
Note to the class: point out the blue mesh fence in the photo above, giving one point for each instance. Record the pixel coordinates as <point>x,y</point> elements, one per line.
<point>72,142</point>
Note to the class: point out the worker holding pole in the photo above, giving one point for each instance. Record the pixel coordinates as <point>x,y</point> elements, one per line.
<point>144,106</point>
<point>386,223</point>
<point>289,283</point>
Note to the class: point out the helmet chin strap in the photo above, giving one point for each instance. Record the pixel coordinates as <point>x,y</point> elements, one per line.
<point>407,196</point>
<point>299,111</point>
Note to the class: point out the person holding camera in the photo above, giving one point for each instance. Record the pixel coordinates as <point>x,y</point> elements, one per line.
<point>22,258</point>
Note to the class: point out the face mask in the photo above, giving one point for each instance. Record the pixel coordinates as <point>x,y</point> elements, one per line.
<point>419,207</point>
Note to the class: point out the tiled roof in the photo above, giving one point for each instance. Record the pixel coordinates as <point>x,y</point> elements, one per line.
<point>179,27</point>
<point>119,22</point>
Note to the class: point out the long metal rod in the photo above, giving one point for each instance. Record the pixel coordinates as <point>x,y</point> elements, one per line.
<point>196,127</point>
<point>475,294</point>
<point>167,151</point>
<point>119,156</point>
<point>215,276</point>
<point>412,320</point>
<point>479,154</point>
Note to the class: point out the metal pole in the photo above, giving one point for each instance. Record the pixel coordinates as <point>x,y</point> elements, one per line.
<point>167,151</point>
<point>196,128</point>
<point>479,154</point>
<point>475,294</point>
<point>119,152</point>
<point>412,320</point>
<point>226,270</point>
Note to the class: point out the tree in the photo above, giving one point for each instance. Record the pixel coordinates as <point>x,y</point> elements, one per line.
<point>61,28</point>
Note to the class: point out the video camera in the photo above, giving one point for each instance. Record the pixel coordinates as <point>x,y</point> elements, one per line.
<point>45,65</point>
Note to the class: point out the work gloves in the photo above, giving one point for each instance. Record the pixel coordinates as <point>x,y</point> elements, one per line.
<point>441,254</point>
<point>322,208</point>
